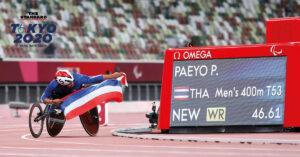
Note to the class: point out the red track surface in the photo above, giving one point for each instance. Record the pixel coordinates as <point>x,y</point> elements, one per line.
<point>15,140</point>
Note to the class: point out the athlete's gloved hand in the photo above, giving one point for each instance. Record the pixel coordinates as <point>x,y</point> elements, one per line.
<point>123,79</point>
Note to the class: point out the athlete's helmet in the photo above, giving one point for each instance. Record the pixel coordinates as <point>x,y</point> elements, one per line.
<point>63,77</point>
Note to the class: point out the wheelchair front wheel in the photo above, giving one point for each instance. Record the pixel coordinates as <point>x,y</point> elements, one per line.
<point>36,120</point>
<point>55,123</point>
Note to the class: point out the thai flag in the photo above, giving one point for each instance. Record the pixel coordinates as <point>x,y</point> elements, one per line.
<point>84,100</point>
<point>181,93</point>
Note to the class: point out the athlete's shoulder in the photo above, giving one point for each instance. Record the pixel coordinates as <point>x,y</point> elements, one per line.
<point>79,78</point>
<point>78,75</point>
<point>53,84</point>
<point>75,75</point>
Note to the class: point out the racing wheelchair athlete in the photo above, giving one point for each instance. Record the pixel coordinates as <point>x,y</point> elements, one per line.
<point>63,84</point>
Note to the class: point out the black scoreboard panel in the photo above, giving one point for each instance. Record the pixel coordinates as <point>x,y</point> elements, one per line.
<point>239,91</point>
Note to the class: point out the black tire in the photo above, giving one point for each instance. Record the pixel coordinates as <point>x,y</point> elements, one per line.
<point>90,121</point>
<point>55,124</point>
<point>36,127</point>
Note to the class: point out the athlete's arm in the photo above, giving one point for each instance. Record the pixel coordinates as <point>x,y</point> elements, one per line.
<point>98,78</point>
<point>54,101</point>
<point>112,76</point>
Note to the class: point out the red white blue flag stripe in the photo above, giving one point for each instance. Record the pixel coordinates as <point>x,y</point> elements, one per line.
<point>181,93</point>
<point>84,100</point>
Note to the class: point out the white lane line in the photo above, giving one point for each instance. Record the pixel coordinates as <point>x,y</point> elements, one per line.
<point>25,137</point>
<point>121,151</point>
<point>12,126</point>
<point>52,155</point>
<point>35,155</point>
<point>200,152</point>
<point>118,132</point>
<point>13,130</point>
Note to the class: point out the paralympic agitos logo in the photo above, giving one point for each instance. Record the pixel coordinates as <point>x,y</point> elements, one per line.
<point>33,33</point>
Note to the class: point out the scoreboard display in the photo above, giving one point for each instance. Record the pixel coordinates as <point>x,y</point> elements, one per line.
<point>236,91</point>
<point>238,86</point>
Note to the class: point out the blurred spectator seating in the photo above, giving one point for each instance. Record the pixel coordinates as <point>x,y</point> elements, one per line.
<point>128,29</point>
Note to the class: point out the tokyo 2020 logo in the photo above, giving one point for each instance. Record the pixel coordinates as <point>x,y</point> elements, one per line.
<point>34,34</point>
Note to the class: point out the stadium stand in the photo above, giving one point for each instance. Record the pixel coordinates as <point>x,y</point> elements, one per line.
<point>140,29</point>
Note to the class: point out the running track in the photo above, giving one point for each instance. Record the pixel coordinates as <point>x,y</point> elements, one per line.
<point>15,140</point>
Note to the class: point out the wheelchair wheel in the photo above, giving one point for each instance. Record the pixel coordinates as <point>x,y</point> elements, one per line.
<point>55,124</point>
<point>90,121</point>
<point>36,120</point>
